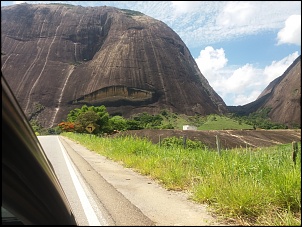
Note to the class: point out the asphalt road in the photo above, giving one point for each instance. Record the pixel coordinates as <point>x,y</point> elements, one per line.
<point>78,195</point>
<point>103,192</point>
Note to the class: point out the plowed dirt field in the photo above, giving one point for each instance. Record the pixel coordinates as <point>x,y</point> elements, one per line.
<point>228,138</point>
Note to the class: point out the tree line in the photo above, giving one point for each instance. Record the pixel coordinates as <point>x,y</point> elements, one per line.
<point>79,118</point>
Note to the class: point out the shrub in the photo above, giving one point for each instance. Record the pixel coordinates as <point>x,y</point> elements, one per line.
<point>174,142</point>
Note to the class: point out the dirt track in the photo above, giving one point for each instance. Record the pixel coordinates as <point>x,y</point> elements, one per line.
<point>228,138</point>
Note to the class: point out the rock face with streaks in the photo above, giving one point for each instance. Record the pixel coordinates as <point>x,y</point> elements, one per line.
<point>282,96</point>
<point>59,57</point>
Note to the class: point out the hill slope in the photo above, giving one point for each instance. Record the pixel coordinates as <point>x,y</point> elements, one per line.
<point>59,57</point>
<point>282,96</point>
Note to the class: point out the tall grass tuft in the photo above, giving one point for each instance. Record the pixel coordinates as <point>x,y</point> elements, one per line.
<point>256,187</point>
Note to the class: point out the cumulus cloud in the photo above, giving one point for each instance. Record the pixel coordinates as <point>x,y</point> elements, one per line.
<point>211,60</point>
<point>291,32</point>
<point>236,14</point>
<point>238,85</point>
<point>241,79</point>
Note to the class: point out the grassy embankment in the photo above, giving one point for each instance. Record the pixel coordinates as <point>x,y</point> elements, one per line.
<point>259,187</point>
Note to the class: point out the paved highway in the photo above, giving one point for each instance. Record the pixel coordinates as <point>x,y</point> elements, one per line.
<point>87,198</point>
<point>103,192</point>
<point>78,195</point>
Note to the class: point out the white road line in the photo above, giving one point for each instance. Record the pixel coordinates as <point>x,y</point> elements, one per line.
<point>87,207</point>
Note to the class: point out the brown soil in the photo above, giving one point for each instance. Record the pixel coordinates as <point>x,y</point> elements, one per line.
<point>228,138</point>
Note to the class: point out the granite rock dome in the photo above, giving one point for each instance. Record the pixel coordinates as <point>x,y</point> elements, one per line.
<point>59,57</point>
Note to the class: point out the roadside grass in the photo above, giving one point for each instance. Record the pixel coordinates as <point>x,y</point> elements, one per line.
<point>255,187</point>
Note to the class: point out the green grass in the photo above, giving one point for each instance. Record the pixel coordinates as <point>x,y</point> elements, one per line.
<point>177,120</point>
<point>209,122</point>
<point>254,187</point>
<point>217,122</point>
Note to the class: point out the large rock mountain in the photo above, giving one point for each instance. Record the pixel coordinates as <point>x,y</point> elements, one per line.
<point>282,96</point>
<point>59,57</point>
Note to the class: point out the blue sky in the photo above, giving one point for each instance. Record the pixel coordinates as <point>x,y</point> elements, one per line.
<point>240,47</point>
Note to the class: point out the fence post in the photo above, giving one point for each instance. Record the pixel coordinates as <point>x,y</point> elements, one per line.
<point>185,141</point>
<point>218,144</point>
<point>295,151</point>
<point>159,140</point>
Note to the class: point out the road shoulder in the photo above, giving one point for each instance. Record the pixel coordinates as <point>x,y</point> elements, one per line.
<point>163,207</point>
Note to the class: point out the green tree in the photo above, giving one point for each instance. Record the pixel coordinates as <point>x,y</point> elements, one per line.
<point>149,121</point>
<point>133,125</point>
<point>103,116</point>
<point>86,118</point>
<point>165,113</point>
<point>118,123</point>
<point>36,126</point>
<point>96,115</point>
<point>73,114</point>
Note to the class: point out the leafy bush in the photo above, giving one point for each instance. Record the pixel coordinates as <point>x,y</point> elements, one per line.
<point>259,119</point>
<point>149,121</point>
<point>67,126</point>
<point>96,115</point>
<point>133,125</point>
<point>167,126</point>
<point>180,142</point>
<point>118,123</point>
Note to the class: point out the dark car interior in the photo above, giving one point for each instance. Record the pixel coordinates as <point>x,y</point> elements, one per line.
<point>31,192</point>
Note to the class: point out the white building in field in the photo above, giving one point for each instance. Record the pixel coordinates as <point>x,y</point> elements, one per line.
<point>189,127</point>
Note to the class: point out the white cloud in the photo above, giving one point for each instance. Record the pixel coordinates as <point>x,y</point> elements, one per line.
<point>242,99</point>
<point>211,60</point>
<point>208,22</point>
<point>219,20</point>
<point>18,2</point>
<point>238,85</point>
<point>277,68</point>
<point>181,7</point>
<point>242,79</point>
<point>236,14</point>
<point>291,33</point>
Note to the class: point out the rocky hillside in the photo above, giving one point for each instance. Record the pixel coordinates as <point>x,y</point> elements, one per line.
<point>282,96</point>
<point>58,57</point>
